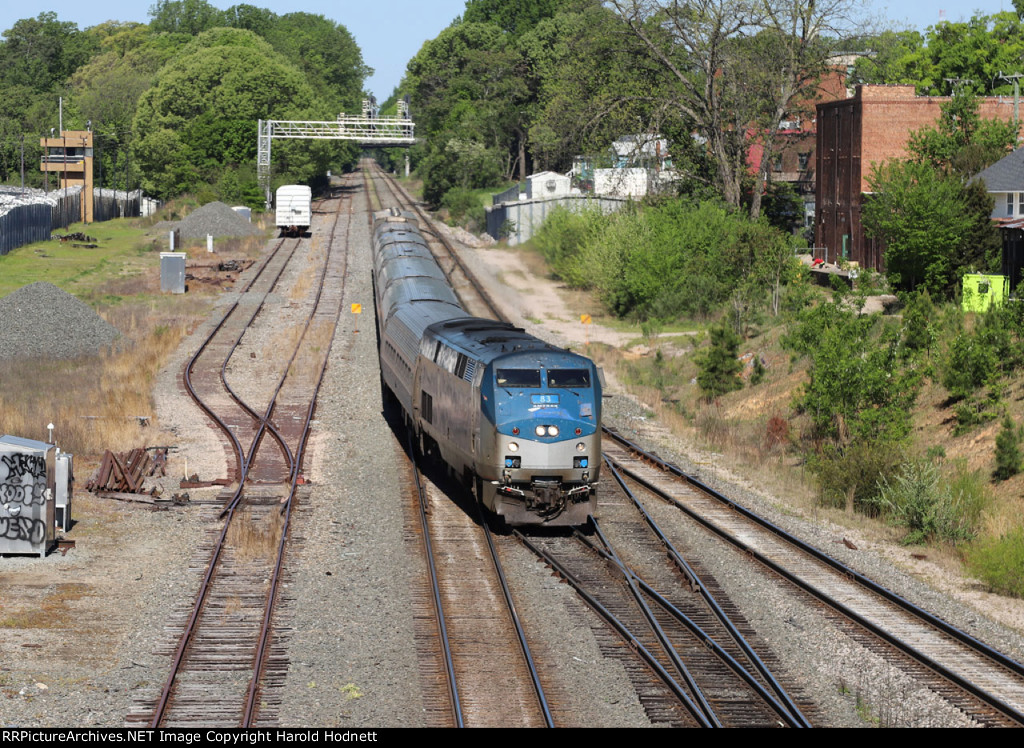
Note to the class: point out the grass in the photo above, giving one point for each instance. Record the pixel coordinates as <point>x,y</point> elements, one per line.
<point>94,400</point>
<point>51,611</point>
<point>123,251</point>
<point>256,537</point>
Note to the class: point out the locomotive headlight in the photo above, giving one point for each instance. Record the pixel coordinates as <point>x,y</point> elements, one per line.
<point>581,447</point>
<point>539,431</point>
<point>552,430</point>
<point>513,447</point>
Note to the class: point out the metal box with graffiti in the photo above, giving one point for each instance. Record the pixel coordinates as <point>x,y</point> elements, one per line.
<point>27,495</point>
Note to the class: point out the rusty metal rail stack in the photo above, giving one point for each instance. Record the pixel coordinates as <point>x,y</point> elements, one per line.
<point>125,472</point>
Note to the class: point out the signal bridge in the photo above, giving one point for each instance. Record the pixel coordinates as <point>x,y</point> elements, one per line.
<point>366,129</point>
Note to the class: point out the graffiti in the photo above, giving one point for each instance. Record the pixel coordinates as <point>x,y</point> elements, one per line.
<point>25,483</point>
<point>23,528</point>
<point>25,495</point>
<point>19,465</point>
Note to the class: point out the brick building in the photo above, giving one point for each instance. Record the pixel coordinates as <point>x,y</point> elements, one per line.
<point>872,126</point>
<point>795,140</point>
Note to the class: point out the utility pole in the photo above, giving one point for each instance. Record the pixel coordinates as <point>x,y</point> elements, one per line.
<point>1016,94</point>
<point>23,162</point>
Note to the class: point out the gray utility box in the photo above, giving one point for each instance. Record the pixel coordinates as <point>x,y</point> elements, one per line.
<point>65,482</point>
<point>27,505</point>
<point>172,272</point>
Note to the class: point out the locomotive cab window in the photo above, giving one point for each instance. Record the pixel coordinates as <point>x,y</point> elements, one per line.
<point>518,377</point>
<point>568,377</point>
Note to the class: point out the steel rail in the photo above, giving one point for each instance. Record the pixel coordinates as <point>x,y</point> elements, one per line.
<point>705,638</point>
<point>244,464</point>
<point>670,651</point>
<point>187,375</point>
<point>449,661</point>
<point>788,708</point>
<point>506,591</point>
<point>267,625</point>
<point>964,638</point>
<point>681,693</point>
<point>179,655</point>
<point>534,675</point>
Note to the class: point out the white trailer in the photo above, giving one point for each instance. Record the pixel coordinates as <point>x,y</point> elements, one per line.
<point>294,207</point>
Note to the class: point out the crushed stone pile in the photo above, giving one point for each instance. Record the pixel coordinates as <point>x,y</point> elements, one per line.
<point>42,320</point>
<point>213,219</point>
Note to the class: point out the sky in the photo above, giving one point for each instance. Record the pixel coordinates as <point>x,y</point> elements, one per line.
<point>390,32</point>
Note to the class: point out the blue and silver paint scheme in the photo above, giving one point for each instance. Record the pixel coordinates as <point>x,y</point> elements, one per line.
<point>475,391</point>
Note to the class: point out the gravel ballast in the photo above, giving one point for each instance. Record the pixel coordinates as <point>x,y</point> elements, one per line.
<point>82,633</point>
<point>42,320</point>
<point>213,219</point>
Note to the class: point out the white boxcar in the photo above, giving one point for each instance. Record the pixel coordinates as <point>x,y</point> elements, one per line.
<point>294,208</point>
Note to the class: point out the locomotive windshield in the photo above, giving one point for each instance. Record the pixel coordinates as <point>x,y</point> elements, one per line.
<point>568,377</point>
<point>518,377</point>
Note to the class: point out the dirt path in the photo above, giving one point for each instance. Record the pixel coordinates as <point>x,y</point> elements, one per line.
<point>548,309</point>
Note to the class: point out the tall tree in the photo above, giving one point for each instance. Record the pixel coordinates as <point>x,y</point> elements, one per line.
<point>963,144</point>
<point>185,16</point>
<point>739,67</point>
<point>201,112</point>
<point>43,52</point>
<point>934,227</point>
<point>326,52</point>
<point>514,17</point>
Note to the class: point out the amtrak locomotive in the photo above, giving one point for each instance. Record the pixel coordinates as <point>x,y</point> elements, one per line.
<point>517,419</point>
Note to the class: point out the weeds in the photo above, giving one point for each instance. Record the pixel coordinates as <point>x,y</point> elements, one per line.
<point>931,506</point>
<point>256,537</point>
<point>999,562</point>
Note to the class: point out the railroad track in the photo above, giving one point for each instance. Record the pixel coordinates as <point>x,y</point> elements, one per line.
<point>475,647</point>
<point>666,700</point>
<point>981,682</point>
<point>228,663</point>
<point>489,678</point>
<point>702,670</point>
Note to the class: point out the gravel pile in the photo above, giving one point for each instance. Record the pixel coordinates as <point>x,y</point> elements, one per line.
<point>42,320</point>
<point>213,219</point>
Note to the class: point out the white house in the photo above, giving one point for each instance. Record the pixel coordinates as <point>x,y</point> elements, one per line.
<point>1004,180</point>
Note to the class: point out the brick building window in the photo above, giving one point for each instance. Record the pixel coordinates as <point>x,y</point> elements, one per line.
<point>804,160</point>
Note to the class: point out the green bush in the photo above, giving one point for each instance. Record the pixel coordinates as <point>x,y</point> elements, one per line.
<point>718,365</point>
<point>464,207</point>
<point>1008,455</point>
<point>849,477</point>
<point>969,365</point>
<point>931,507</point>
<point>918,324</point>
<point>667,260</point>
<point>999,562</point>
<point>563,235</point>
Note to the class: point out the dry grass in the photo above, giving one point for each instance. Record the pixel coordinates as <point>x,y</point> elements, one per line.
<point>95,401</point>
<point>255,537</point>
